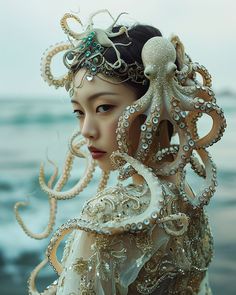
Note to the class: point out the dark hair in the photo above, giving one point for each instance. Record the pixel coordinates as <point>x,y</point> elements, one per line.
<point>138,36</point>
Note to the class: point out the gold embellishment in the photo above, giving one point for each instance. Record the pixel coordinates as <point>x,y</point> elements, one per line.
<point>80,266</point>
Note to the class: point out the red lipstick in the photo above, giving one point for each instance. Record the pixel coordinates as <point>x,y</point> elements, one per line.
<point>96,153</point>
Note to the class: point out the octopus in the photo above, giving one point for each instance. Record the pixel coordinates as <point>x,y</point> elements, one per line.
<point>174,95</point>
<point>169,97</point>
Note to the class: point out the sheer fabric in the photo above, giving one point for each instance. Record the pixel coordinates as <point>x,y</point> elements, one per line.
<point>151,262</point>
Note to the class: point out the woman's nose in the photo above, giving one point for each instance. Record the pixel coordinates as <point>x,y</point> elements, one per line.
<point>89,128</point>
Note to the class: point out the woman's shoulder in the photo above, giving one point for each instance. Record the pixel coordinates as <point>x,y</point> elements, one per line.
<point>117,203</point>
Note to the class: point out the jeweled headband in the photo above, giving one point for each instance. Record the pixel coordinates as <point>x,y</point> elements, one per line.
<point>87,50</point>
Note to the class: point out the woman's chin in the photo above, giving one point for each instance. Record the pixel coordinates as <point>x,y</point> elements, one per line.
<point>105,165</point>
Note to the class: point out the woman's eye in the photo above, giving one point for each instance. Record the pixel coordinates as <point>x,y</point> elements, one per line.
<point>104,108</point>
<point>78,113</point>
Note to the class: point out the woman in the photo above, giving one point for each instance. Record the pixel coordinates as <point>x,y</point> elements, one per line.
<point>132,90</point>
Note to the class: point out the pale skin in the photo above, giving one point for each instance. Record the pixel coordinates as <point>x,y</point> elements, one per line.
<point>98,105</point>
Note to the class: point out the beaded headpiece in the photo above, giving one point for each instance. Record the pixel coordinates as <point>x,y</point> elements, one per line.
<point>87,50</point>
<point>174,95</point>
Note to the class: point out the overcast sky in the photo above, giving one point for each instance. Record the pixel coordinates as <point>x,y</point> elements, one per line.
<point>206,27</point>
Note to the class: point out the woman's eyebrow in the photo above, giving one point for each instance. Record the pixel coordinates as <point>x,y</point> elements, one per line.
<point>95,95</point>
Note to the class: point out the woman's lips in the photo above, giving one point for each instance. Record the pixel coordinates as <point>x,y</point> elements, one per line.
<point>97,155</point>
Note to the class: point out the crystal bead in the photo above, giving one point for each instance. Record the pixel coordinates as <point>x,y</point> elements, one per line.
<point>146,221</point>
<point>89,77</point>
<point>139,225</point>
<point>144,146</point>
<point>186,148</point>
<point>143,127</point>
<point>155,120</point>
<point>94,69</point>
<point>154,215</point>
<point>70,56</point>
<point>133,226</point>
<point>131,110</point>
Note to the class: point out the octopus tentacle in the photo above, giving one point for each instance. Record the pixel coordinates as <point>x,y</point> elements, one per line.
<point>207,81</point>
<point>52,213</point>
<point>103,181</point>
<point>74,150</point>
<point>202,197</point>
<point>72,146</point>
<point>46,65</point>
<point>182,220</point>
<point>218,125</point>
<point>71,193</point>
<point>146,218</point>
<point>136,223</point>
<point>67,30</point>
<point>90,25</point>
<point>197,166</point>
<point>49,227</point>
<point>33,275</point>
<point>126,119</point>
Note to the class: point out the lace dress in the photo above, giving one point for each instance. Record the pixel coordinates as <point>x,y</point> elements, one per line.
<point>147,262</point>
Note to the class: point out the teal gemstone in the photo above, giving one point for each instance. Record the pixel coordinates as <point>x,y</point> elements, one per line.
<point>92,33</point>
<point>95,60</point>
<point>81,46</point>
<point>90,38</point>
<point>94,44</point>
<point>93,68</point>
<point>88,43</point>
<point>88,53</point>
<point>70,55</point>
<point>84,39</point>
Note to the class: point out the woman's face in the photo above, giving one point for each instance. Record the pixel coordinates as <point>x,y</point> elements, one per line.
<point>98,105</point>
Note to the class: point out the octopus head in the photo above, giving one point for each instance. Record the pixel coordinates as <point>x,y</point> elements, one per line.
<point>158,57</point>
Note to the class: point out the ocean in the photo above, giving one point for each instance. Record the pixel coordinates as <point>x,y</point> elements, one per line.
<point>32,130</point>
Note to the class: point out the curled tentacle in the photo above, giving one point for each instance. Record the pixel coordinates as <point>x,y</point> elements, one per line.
<point>128,116</point>
<point>207,81</point>
<point>46,66</point>
<point>182,220</point>
<point>135,223</point>
<point>54,176</point>
<point>103,181</point>
<point>203,196</point>
<point>75,148</point>
<point>48,229</point>
<point>33,275</point>
<point>197,166</point>
<point>90,21</point>
<point>73,191</point>
<point>66,28</point>
<point>52,213</point>
<point>218,126</point>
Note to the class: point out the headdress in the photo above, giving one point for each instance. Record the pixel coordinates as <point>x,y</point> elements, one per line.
<point>87,50</point>
<point>175,95</point>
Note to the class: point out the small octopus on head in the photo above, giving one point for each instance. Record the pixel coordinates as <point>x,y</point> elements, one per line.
<point>132,90</point>
<point>94,63</point>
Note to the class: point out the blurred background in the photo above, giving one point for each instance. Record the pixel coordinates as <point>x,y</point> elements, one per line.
<point>36,120</point>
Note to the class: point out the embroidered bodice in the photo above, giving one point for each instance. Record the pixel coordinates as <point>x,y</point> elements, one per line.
<point>150,261</point>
